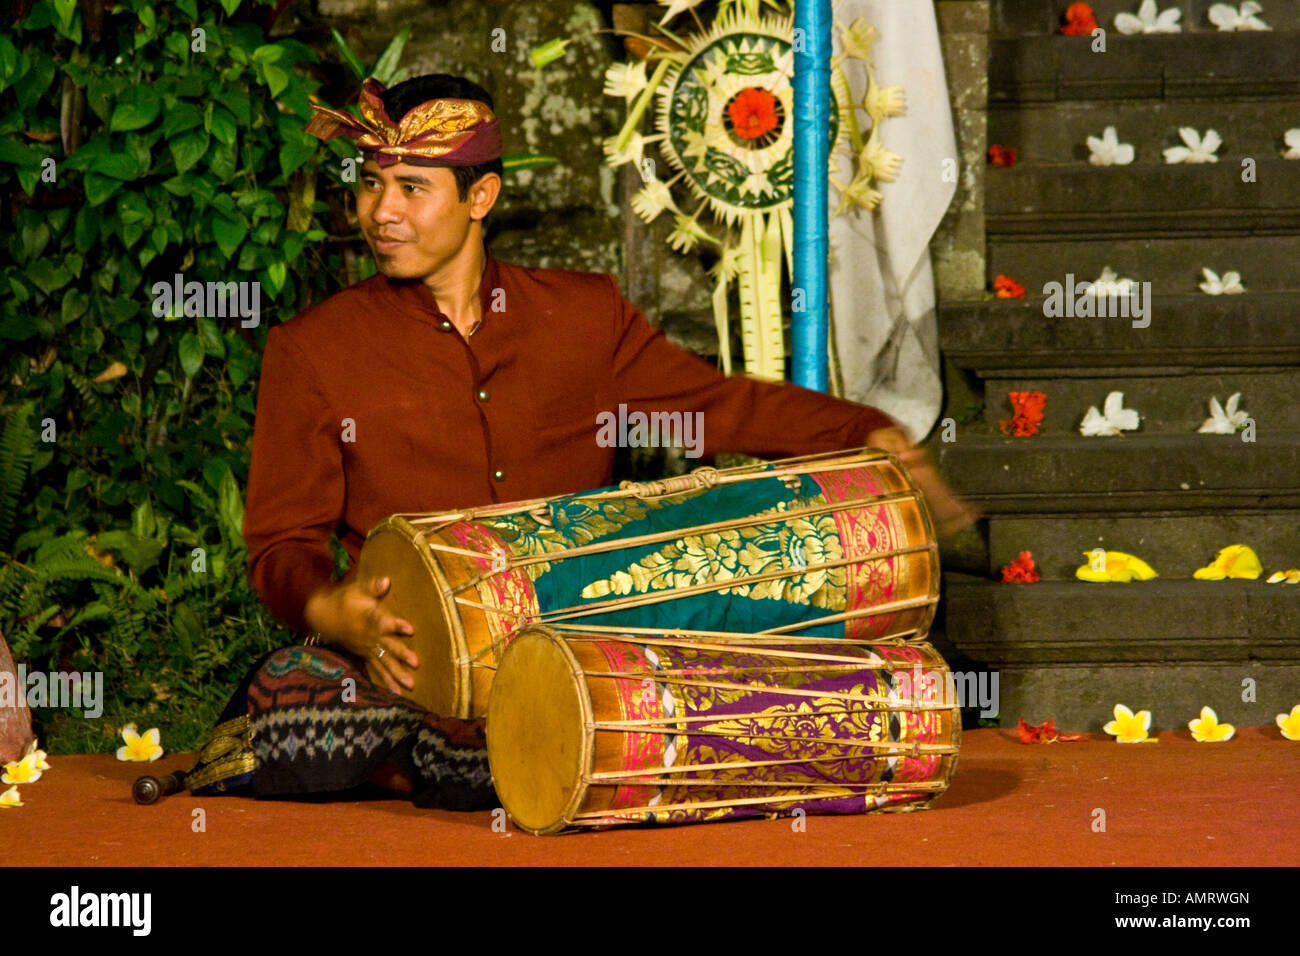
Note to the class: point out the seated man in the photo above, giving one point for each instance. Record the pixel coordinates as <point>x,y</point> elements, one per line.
<point>447,380</point>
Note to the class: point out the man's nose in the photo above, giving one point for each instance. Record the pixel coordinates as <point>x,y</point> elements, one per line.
<point>388,205</point>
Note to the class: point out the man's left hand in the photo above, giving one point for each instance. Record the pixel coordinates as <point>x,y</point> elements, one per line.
<point>949,512</point>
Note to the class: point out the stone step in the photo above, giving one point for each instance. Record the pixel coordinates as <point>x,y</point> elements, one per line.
<point>1057,133</point>
<point>1177,402</point>
<point>1172,266</point>
<point>1159,621</point>
<point>1054,474</point>
<point>1014,17</point>
<point>1011,338</point>
<point>1175,545</point>
<point>1069,651</point>
<point>1079,200</point>
<point>1178,66</point>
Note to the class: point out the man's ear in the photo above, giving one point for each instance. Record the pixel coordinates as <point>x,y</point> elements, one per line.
<point>483,195</point>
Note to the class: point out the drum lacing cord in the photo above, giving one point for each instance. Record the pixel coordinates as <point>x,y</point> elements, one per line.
<point>699,478</point>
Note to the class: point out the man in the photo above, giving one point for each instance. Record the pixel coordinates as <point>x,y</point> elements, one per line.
<point>449,379</point>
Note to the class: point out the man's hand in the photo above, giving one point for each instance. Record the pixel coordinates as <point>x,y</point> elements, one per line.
<point>950,513</point>
<point>349,616</point>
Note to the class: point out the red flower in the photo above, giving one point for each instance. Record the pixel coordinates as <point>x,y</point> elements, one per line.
<point>1008,288</point>
<point>1021,570</point>
<point>1044,733</point>
<point>1027,414</point>
<point>1002,155</point>
<point>753,112</point>
<point>1079,20</point>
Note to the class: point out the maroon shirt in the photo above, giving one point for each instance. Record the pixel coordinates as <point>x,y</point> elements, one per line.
<point>372,403</point>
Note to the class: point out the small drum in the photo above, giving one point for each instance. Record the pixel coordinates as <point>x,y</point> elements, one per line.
<point>593,729</point>
<point>831,546</point>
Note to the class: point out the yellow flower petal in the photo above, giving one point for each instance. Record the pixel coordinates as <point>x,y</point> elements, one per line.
<point>1128,727</point>
<point>1290,723</point>
<point>1208,729</point>
<point>140,747</point>
<point>1115,566</point>
<point>21,771</point>
<point>1234,561</point>
<point>10,798</point>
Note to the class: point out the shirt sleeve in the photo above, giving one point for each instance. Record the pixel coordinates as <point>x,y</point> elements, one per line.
<point>296,485</point>
<point>738,413</point>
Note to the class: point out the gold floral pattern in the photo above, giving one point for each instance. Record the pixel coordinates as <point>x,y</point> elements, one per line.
<point>567,523</point>
<point>796,546</point>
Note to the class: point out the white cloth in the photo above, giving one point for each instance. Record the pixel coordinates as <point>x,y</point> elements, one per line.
<point>880,280</point>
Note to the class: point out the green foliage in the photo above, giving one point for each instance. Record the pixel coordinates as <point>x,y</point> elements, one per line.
<point>178,147</point>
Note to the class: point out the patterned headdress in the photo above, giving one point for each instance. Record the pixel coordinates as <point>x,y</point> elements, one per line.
<point>441,132</point>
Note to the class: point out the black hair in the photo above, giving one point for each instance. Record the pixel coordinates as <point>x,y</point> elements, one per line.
<point>408,94</point>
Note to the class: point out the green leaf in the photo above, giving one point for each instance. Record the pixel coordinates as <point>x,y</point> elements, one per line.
<point>267,53</point>
<point>386,65</point>
<point>118,165</point>
<point>229,233</point>
<point>139,107</point>
<point>33,85</point>
<point>293,155</point>
<point>143,523</point>
<point>230,6</point>
<point>139,553</point>
<point>18,153</point>
<point>276,79</point>
<point>65,9</point>
<point>276,272</point>
<point>47,276</point>
<point>213,344</point>
<point>100,188</point>
<point>191,354</point>
<point>75,304</point>
<point>351,59</point>
<point>231,510</point>
<point>188,148</point>
<point>224,126</point>
<point>181,117</point>
<point>148,18</point>
<point>85,232</point>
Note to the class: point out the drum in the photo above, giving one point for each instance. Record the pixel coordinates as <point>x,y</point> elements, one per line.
<point>830,545</point>
<point>599,728</point>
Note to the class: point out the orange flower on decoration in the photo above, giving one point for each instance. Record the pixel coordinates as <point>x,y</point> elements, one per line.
<point>1021,570</point>
<point>1027,414</point>
<point>1002,155</point>
<point>1079,20</point>
<point>753,112</point>
<point>1008,288</point>
<point>1044,733</point>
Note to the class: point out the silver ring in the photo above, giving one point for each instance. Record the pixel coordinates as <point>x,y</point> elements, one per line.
<point>380,656</point>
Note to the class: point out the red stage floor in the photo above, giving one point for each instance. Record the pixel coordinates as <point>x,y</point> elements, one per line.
<point>1176,802</point>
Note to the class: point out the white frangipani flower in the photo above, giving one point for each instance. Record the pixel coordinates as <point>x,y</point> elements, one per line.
<point>1109,283</point>
<point>1109,151</point>
<point>652,199</point>
<point>1226,17</point>
<point>1292,138</point>
<point>1148,20</point>
<point>1116,418</point>
<point>1230,284</point>
<point>1224,421</point>
<point>625,79</point>
<point>1199,149</point>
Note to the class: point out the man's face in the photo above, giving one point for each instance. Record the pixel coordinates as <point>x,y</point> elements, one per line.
<point>413,218</point>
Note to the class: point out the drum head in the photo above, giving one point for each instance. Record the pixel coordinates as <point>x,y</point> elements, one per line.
<point>416,594</point>
<point>538,745</point>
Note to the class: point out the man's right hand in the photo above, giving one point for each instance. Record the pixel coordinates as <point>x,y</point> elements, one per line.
<point>348,615</point>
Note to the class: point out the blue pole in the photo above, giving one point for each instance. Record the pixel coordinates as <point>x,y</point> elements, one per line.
<point>812,57</point>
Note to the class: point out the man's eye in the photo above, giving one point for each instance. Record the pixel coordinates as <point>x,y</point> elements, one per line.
<point>412,188</point>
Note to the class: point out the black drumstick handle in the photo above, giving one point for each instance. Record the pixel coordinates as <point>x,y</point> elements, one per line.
<point>147,790</point>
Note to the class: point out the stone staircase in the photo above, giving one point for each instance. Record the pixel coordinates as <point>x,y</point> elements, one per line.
<point>1066,649</point>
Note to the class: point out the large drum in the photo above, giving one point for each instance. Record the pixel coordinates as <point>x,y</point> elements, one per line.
<point>600,728</point>
<point>828,546</point>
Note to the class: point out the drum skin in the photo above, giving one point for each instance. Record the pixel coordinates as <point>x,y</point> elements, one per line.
<point>838,547</point>
<point>589,730</point>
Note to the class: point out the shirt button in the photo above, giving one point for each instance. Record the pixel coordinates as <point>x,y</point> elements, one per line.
<point>483,395</point>
<point>445,325</point>
<point>499,475</point>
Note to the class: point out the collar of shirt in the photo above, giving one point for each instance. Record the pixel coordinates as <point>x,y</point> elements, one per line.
<point>412,296</point>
